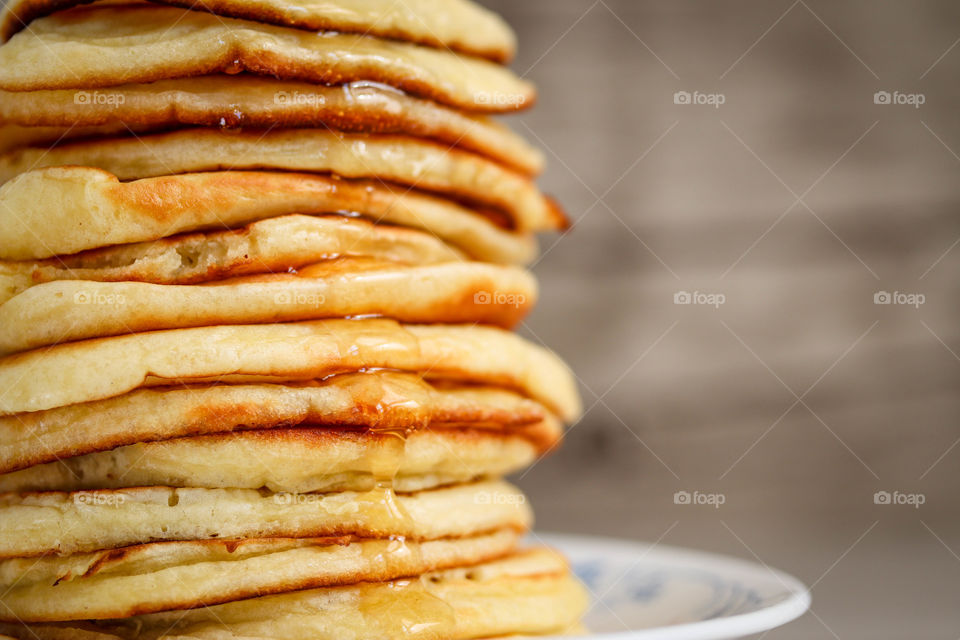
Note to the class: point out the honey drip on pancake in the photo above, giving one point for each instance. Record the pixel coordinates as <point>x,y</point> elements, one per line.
<point>385,459</point>
<point>408,609</point>
<point>432,614</point>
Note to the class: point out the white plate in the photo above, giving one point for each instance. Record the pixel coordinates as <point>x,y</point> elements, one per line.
<point>653,592</point>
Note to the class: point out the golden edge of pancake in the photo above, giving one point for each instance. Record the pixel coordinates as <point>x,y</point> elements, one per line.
<point>412,162</point>
<point>530,592</point>
<point>74,372</point>
<point>450,293</point>
<point>170,576</point>
<point>258,102</point>
<point>53,212</point>
<point>65,522</point>
<point>378,401</point>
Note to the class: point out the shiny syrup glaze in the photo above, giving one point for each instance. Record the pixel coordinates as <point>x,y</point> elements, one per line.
<point>408,609</point>
<point>413,611</point>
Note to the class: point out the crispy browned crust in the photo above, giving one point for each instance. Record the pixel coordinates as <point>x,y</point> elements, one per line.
<point>17,15</point>
<point>558,214</point>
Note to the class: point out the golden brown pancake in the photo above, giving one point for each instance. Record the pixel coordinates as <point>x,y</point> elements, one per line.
<point>460,25</point>
<point>527,593</point>
<point>103,46</point>
<point>302,460</point>
<point>464,292</point>
<point>378,400</point>
<point>257,102</point>
<point>34,524</point>
<point>166,576</point>
<point>78,371</point>
<point>413,162</point>
<point>286,244</point>
<point>58,211</point>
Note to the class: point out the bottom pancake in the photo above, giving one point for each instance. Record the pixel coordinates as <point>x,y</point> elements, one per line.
<point>528,593</point>
<point>167,576</point>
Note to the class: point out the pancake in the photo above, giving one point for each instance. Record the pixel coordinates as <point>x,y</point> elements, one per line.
<point>257,102</point>
<point>107,367</point>
<point>301,460</point>
<point>450,24</point>
<point>64,210</point>
<point>167,576</point>
<point>34,524</point>
<point>378,400</point>
<point>469,292</point>
<point>526,593</point>
<point>103,46</point>
<point>409,161</point>
<point>276,245</point>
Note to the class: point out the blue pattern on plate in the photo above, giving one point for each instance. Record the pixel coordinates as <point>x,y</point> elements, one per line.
<point>616,586</point>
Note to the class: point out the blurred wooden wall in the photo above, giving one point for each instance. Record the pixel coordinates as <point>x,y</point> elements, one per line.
<point>672,198</point>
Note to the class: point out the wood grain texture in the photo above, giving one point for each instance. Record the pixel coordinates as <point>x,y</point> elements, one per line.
<point>701,211</point>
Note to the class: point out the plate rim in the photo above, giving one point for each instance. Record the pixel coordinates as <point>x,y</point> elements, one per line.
<point>738,625</point>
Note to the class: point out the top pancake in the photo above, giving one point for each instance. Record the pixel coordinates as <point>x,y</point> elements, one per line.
<point>104,46</point>
<point>460,25</point>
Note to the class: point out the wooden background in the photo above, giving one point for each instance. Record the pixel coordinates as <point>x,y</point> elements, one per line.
<point>797,199</point>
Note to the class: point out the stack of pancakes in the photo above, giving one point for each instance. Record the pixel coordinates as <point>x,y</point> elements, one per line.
<point>260,263</point>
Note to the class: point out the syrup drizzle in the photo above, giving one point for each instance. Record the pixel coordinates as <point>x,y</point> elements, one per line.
<point>407,609</point>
